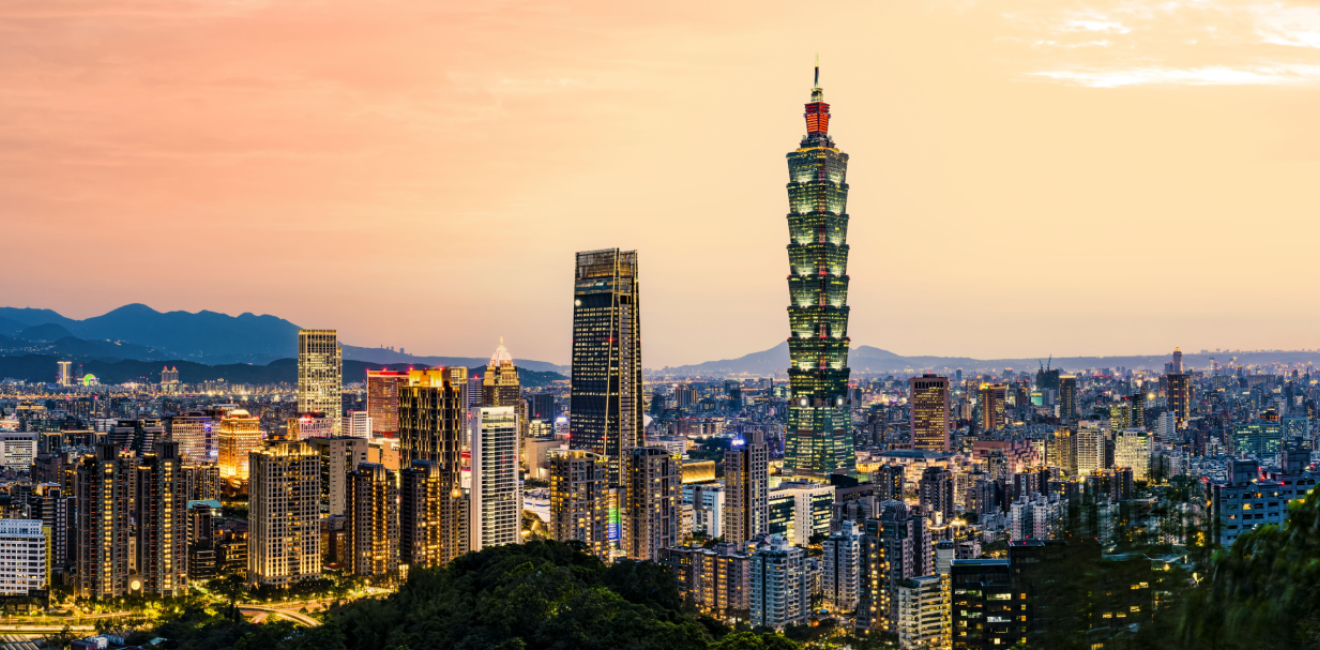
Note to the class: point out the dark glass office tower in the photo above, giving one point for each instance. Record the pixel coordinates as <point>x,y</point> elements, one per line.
<point>605,409</point>
<point>820,439</point>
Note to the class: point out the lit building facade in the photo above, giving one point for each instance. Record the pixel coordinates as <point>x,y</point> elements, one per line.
<point>284,533</point>
<point>820,440</point>
<point>606,396</point>
<point>496,499</point>
<point>923,614</point>
<point>383,401</point>
<point>1132,450</point>
<point>26,550</point>
<point>579,498</point>
<point>652,499</point>
<point>433,515</point>
<point>373,521</point>
<point>930,412</point>
<point>320,375</point>
<point>240,434</point>
<point>338,458</point>
<point>842,569</point>
<point>162,522</point>
<point>992,406</point>
<point>747,488</point>
<point>780,593</point>
<point>105,496</point>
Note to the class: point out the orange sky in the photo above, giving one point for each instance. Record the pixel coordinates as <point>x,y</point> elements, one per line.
<point>1028,176</point>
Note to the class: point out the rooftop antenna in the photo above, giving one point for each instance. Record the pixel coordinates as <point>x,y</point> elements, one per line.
<point>817,71</point>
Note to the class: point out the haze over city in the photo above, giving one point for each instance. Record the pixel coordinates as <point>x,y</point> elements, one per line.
<point>1096,178</point>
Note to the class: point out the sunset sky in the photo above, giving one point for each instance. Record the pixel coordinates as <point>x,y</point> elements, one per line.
<point>1027,176</point>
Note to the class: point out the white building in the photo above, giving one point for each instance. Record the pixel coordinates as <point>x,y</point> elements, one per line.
<point>357,424</point>
<point>1132,449</point>
<point>1090,447</point>
<point>842,569</point>
<point>707,502</point>
<point>1036,517</point>
<point>1166,427</point>
<point>496,510</point>
<point>23,546</point>
<point>924,616</point>
<point>779,584</point>
<point>18,448</point>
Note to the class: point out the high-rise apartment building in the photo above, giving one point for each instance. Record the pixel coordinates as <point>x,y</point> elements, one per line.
<point>606,399</point>
<point>1177,361</point>
<point>992,406</point>
<point>718,580</point>
<point>898,547</point>
<point>240,434</point>
<point>383,388</point>
<point>433,515</point>
<point>923,613</point>
<point>1132,450</point>
<point>890,481</point>
<point>25,548</point>
<point>500,386</point>
<point>781,594</point>
<point>1067,398</point>
<point>652,496</point>
<point>747,488</point>
<point>936,493</point>
<point>842,569</point>
<point>579,497</point>
<point>1180,398</point>
<point>162,522</point>
<point>373,521</point>
<point>284,522</point>
<point>930,412</point>
<point>496,501</point>
<point>338,458</point>
<point>105,481</point>
<point>320,375</point>
<point>433,418</point>
<point>819,427</point>
<point>65,374</point>
<point>1120,416</point>
<point>1090,447</point>
<point>541,406</point>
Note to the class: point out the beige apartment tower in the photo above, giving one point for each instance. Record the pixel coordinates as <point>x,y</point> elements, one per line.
<point>320,375</point>
<point>284,534</point>
<point>746,488</point>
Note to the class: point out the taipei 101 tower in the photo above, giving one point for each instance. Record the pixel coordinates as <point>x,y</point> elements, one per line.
<point>820,441</point>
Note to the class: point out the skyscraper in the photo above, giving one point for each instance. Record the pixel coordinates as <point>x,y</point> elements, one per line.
<point>383,401</point>
<point>992,406</point>
<point>65,376</point>
<point>652,497</point>
<point>930,412</point>
<point>432,418</point>
<point>105,497</point>
<point>1180,398</point>
<point>496,500</point>
<point>606,396</point>
<point>320,375</point>
<point>432,516</point>
<point>1067,398</point>
<point>747,488</point>
<point>240,434</point>
<point>579,498</point>
<point>781,592</point>
<point>936,492</point>
<point>500,386</point>
<point>1177,361</point>
<point>338,458</point>
<point>820,439</point>
<point>162,522</point>
<point>373,521</point>
<point>284,534</point>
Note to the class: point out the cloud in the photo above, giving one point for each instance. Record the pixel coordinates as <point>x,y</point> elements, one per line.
<point>1203,76</point>
<point>1176,43</point>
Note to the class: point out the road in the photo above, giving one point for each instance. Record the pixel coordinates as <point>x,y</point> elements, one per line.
<point>296,617</point>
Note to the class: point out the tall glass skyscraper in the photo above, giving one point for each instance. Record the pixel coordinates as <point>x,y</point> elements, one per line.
<point>605,408</point>
<point>321,375</point>
<point>820,440</point>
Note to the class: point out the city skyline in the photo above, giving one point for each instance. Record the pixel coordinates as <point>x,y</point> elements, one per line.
<point>1040,143</point>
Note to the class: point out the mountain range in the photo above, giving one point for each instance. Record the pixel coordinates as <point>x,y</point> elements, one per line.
<point>138,332</point>
<point>867,359</point>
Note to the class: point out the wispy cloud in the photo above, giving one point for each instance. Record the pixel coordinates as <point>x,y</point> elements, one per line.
<point>1175,43</point>
<point>1290,75</point>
